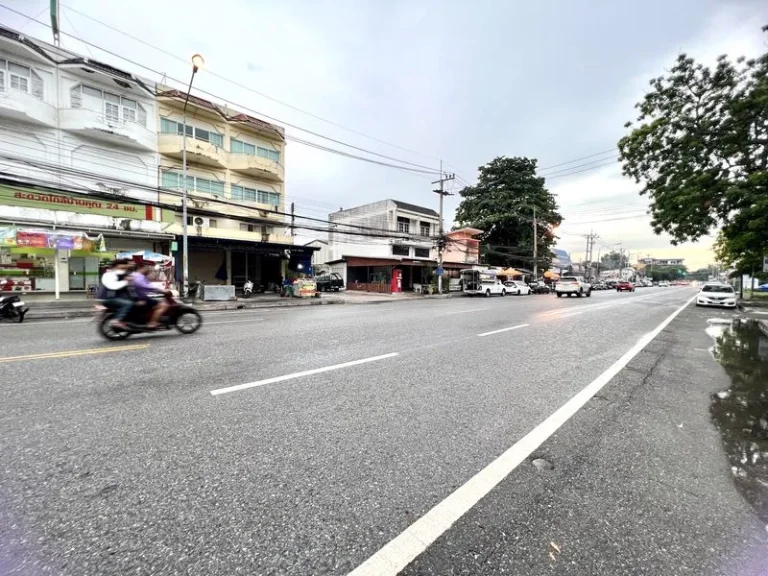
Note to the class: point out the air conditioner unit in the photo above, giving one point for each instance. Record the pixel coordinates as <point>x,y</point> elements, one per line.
<point>200,221</point>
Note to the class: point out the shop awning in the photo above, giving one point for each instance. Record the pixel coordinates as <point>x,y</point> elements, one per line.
<point>551,275</point>
<point>511,272</point>
<point>270,248</point>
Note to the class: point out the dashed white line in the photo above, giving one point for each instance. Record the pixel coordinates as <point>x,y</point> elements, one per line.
<point>465,311</point>
<point>295,375</point>
<point>503,330</point>
<point>404,548</point>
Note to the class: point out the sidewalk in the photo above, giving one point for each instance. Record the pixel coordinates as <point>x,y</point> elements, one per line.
<point>84,308</point>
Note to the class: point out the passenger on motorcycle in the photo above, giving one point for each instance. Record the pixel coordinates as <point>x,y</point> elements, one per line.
<point>113,291</point>
<point>143,291</point>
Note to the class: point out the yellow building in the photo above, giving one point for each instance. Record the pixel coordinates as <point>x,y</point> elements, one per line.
<point>235,168</point>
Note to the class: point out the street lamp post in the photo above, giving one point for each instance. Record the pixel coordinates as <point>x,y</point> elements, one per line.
<point>197,63</point>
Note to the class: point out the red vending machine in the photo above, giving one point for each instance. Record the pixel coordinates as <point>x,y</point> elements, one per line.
<point>397,281</point>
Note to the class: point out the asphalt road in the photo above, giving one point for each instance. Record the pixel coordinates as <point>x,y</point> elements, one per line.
<point>141,458</point>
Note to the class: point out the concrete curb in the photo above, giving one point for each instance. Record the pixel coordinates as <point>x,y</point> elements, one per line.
<point>763,327</point>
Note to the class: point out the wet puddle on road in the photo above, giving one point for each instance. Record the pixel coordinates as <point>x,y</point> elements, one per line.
<point>740,413</point>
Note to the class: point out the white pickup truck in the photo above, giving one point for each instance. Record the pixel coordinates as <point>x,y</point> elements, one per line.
<point>573,285</point>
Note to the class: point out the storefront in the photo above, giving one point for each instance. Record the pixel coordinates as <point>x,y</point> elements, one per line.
<point>60,262</point>
<point>224,261</point>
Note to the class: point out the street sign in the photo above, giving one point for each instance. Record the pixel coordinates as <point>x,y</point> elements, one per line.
<point>765,263</point>
<point>439,271</point>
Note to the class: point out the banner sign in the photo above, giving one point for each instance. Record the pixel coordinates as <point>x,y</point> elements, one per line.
<point>73,203</point>
<point>26,238</point>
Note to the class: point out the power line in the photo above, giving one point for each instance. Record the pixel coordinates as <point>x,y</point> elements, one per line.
<point>239,85</point>
<point>578,159</point>
<point>424,169</point>
<point>550,174</point>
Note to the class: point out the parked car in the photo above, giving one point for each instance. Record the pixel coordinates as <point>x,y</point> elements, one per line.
<point>328,282</point>
<point>539,288</point>
<point>716,294</point>
<point>762,288</point>
<point>664,284</point>
<point>625,286</point>
<point>517,287</point>
<point>573,285</point>
<point>599,286</point>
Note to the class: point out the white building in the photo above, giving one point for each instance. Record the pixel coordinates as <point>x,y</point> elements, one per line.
<point>78,154</point>
<point>375,242</point>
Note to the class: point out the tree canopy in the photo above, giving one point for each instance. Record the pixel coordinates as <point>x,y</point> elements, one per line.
<point>502,205</point>
<point>699,148</point>
<point>611,261</point>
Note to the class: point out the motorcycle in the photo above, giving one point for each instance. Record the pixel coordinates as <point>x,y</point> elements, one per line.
<point>179,315</point>
<point>12,308</point>
<point>247,289</point>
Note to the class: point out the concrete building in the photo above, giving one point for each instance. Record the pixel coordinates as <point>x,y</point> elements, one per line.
<point>236,168</point>
<point>462,247</point>
<point>78,159</point>
<point>377,242</point>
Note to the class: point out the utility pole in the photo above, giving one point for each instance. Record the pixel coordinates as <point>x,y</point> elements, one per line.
<point>535,247</point>
<point>441,233</point>
<point>591,237</point>
<point>293,219</point>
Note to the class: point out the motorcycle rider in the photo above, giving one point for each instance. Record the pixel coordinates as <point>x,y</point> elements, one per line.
<point>113,291</point>
<point>143,290</point>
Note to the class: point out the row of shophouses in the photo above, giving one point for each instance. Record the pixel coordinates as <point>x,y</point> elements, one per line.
<point>91,167</point>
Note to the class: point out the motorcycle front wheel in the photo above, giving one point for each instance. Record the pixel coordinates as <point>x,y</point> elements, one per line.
<point>188,322</point>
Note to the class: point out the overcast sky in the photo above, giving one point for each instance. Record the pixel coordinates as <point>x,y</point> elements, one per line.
<point>462,81</point>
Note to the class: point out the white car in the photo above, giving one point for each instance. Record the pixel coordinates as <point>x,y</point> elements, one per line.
<point>573,285</point>
<point>716,294</point>
<point>490,287</point>
<point>517,287</point>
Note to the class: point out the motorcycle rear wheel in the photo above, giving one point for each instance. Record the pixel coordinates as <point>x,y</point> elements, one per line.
<point>110,332</point>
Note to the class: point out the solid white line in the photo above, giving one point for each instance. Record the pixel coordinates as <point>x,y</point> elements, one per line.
<point>403,549</point>
<point>503,330</point>
<point>233,321</point>
<point>465,311</point>
<point>300,374</point>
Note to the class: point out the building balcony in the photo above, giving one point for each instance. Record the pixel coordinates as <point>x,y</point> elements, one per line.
<point>198,152</point>
<point>24,107</point>
<point>256,167</point>
<point>95,125</point>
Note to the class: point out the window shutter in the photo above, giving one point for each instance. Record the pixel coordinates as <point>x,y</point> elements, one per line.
<point>2,80</point>
<point>76,97</point>
<point>37,85</point>
<point>142,117</point>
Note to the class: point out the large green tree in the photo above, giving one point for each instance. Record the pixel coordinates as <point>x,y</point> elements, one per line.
<point>699,147</point>
<point>502,204</point>
<point>611,261</point>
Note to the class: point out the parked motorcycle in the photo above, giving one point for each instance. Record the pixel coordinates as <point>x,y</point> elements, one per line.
<point>247,289</point>
<point>12,308</point>
<point>179,315</point>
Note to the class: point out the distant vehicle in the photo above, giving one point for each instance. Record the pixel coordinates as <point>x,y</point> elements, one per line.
<point>762,288</point>
<point>483,282</point>
<point>328,282</point>
<point>625,286</point>
<point>600,286</point>
<point>664,284</point>
<point>655,283</point>
<point>517,287</point>
<point>611,284</point>
<point>539,288</point>
<point>573,285</point>
<point>716,294</point>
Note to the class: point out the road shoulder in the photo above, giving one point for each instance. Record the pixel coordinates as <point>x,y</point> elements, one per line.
<point>639,485</point>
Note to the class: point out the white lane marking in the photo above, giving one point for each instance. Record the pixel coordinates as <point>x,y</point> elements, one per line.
<point>503,330</point>
<point>465,311</point>
<point>232,322</point>
<point>300,374</point>
<point>403,549</point>
<point>571,314</point>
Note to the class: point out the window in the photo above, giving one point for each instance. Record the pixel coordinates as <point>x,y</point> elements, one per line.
<point>403,225</point>
<point>240,147</point>
<point>116,108</point>
<point>425,228</point>
<point>245,194</point>
<point>213,223</point>
<point>171,127</point>
<point>398,250</point>
<point>421,252</point>
<point>21,78</point>
<point>247,228</point>
<point>175,180</point>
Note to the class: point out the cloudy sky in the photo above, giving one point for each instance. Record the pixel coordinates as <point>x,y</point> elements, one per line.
<point>424,80</point>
